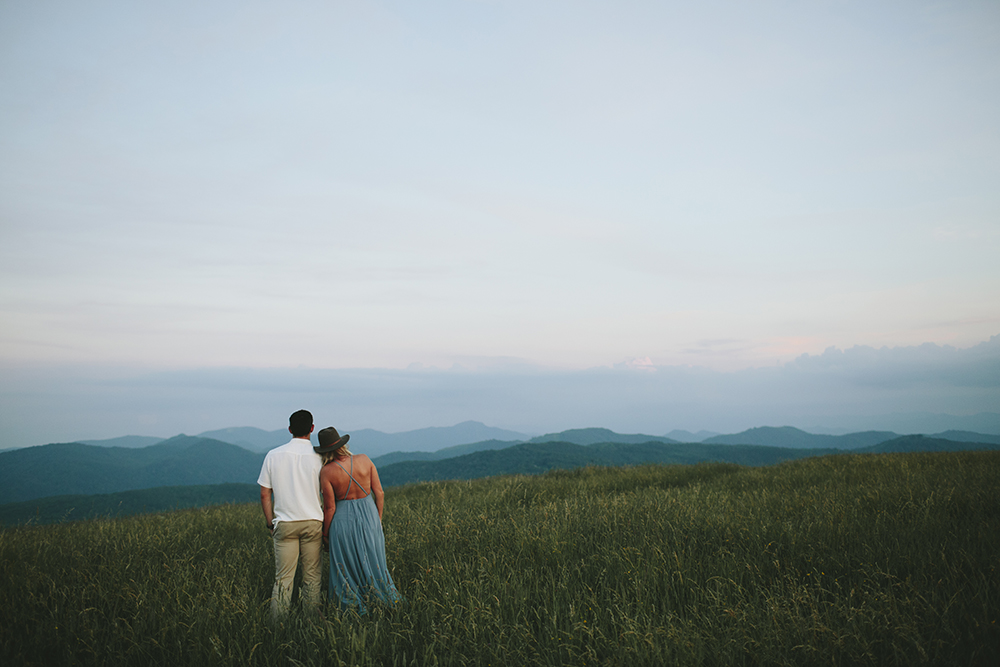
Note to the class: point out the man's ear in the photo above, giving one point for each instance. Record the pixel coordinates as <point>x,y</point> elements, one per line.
<point>312,428</point>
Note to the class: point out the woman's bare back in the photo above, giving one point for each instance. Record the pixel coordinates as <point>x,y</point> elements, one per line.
<point>338,478</point>
<point>335,484</point>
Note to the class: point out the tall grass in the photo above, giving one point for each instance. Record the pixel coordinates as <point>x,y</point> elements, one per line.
<point>846,560</point>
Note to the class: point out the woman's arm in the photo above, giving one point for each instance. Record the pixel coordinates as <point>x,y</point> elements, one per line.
<point>329,499</point>
<point>377,491</point>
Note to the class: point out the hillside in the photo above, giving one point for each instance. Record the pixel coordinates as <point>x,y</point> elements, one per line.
<point>968,436</point>
<point>125,503</point>
<point>74,468</point>
<point>881,560</point>
<point>445,453</point>
<point>535,458</point>
<point>921,443</point>
<point>78,469</point>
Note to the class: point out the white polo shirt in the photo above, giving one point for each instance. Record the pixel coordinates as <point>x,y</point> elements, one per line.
<point>292,472</point>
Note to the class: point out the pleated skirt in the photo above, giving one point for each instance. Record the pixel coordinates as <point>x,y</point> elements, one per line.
<point>358,571</point>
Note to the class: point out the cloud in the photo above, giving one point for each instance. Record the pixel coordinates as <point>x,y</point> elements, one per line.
<point>860,387</point>
<point>895,367</point>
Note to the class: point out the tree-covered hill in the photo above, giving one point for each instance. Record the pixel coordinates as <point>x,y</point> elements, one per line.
<point>54,509</point>
<point>534,458</point>
<point>74,468</point>
<point>968,436</point>
<point>921,443</point>
<point>446,453</point>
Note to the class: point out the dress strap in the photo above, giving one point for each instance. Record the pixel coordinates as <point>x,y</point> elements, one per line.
<point>349,474</point>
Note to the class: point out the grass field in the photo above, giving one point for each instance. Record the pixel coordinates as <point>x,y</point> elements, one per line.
<point>844,560</point>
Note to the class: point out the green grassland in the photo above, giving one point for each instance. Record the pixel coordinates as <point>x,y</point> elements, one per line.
<point>882,559</point>
<point>53,509</point>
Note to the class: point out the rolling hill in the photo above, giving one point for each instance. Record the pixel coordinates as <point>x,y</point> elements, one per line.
<point>967,436</point>
<point>75,468</point>
<point>533,458</point>
<point>80,469</point>
<point>446,453</point>
<point>124,503</point>
<point>922,443</point>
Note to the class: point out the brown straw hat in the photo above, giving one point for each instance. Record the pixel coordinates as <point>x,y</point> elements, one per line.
<point>330,440</point>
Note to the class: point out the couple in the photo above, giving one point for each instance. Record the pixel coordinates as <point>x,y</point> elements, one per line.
<point>318,495</point>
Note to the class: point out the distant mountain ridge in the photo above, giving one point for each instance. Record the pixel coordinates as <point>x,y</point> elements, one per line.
<point>680,435</point>
<point>249,437</point>
<point>375,443</point>
<point>578,436</point>
<point>364,441</point>
<point>592,436</point>
<point>789,436</point>
<point>127,441</point>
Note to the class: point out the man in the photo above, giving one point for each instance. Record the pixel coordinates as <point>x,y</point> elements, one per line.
<point>293,508</point>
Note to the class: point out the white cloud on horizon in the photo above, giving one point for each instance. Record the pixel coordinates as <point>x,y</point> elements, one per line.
<point>859,388</point>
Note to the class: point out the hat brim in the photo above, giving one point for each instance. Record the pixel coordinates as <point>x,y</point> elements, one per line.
<point>336,444</point>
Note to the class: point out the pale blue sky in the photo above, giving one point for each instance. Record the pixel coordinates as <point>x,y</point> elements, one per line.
<point>566,185</point>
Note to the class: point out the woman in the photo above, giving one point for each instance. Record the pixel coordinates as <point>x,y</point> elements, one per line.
<point>352,525</point>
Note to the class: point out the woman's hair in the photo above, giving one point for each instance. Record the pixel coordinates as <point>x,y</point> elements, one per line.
<point>339,452</point>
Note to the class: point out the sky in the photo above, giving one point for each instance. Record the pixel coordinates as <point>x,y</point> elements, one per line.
<point>438,211</point>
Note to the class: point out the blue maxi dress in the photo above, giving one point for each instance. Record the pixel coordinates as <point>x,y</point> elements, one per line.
<point>358,571</point>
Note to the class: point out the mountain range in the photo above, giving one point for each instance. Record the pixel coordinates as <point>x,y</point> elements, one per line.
<point>534,458</point>
<point>80,468</point>
<point>369,441</point>
<point>190,472</point>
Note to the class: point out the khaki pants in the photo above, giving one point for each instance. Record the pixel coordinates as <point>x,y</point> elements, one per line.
<point>292,539</point>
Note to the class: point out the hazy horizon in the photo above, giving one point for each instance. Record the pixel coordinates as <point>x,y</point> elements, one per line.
<point>856,389</point>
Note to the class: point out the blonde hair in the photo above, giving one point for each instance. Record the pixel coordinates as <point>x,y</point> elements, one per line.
<point>337,453</point>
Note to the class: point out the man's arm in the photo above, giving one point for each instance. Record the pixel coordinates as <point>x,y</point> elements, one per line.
<point>267,504</point>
